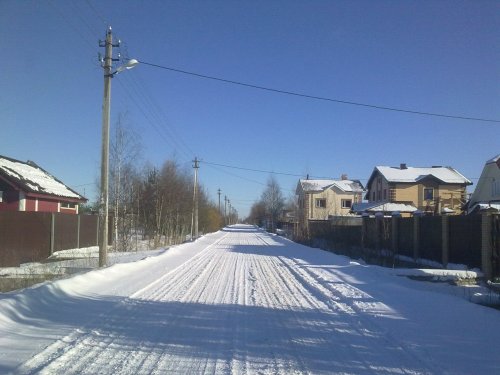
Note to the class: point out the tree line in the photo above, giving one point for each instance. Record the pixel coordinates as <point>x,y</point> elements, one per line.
<point>152,204</point>
<point>155,204</point>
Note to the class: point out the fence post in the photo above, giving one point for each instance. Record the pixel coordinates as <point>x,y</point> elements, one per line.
<point>445,240</point>
<point>52,232</point>
<point>486,246</point>
<point>394,232</point>
<point>78,233</point>
<point>379,217</point>
<point>97,231</point>
<point>364,224</point>
<point>416,237</point>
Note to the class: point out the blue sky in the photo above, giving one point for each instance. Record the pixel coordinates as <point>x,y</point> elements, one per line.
<point>429,56</point>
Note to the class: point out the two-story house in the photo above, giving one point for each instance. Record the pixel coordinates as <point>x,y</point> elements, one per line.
<point>432,190</point>
<point>320,199</point>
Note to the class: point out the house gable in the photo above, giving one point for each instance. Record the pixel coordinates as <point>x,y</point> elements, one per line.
<point>487,192</point>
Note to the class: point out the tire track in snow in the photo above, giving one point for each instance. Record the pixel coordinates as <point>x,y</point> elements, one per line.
<point>54,360</point>
<point>242,305</point>
<point>342,293</point>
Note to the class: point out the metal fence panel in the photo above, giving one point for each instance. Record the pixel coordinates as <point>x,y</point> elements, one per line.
<point>24,237</point>
<point>431,238</point>
<point>27,236</point>
<point>88,230</point>
<point>405,236</point>
<point>65,232</point>
<point>465,240</point>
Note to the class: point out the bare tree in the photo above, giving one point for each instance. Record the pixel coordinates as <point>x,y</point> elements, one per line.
<point>273,201</point>
<point>257,214</point>
<point>125,150</point>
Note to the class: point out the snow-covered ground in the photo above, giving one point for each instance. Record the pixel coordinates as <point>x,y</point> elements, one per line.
<point>246,302</point>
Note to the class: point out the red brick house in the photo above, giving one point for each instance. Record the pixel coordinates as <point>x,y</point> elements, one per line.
<point>27,187</point>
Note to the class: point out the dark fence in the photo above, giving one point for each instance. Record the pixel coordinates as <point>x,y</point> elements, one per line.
<point>472,240</point>
<point>405,238</point>
<point>34,236</point>
<point>465,240</point>
<point>430,238</point>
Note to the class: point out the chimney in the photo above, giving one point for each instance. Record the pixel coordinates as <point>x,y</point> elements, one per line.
<point>403,166</point>
<point>343,177</point>
<point>307,177</point>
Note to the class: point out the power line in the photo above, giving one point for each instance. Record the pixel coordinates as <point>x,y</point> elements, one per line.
<point>104,22</point>
<point>340,101</point>
<point>235,175</point>
<point>261,170</point>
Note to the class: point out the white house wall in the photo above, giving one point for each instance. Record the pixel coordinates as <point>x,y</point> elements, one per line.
<point>488,186</point>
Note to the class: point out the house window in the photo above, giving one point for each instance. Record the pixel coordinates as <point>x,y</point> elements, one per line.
<point>428,194</point>
<point>392,195</point>
<point>1,196</point>
<point>321,203</point>
<point>68,205</point>
<point>346,203</point>
<point>373,196</point>
<point>385,194</point>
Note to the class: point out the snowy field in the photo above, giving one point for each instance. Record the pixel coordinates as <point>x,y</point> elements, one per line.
<point>241,301</point>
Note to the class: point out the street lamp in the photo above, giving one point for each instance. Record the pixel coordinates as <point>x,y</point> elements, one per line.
<point>104,197</point>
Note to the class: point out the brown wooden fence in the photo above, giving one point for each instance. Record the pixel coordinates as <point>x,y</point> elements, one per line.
<point>472,240</point>
<point>34,236</point>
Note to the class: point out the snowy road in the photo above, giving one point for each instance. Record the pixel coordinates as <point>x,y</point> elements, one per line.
<point>244,302</point>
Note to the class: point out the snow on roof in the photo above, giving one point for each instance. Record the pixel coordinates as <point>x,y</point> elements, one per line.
<point>415,174</point>
<point>383,207</point>
<point>493,160</point>
<point>34,179</point>
<point>348,186</point>
<point>315,185</point>
<point>320,185</point>
<point>485,207</point>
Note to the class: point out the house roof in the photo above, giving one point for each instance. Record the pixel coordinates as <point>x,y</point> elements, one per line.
<point>30,178</point>
<point>478,207</point>
<point>494,160</point>
<point>447,175</point>
<point>382,207</point>
<point>311,186</point>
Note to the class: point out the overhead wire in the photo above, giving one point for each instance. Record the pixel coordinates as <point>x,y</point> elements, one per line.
<point>213,166</point>
<point>314,97</point>
<point>98,14</point>
<point>158,114</point>
<point>141,97</point>
<point>71,24</point>
<point>154,115</point>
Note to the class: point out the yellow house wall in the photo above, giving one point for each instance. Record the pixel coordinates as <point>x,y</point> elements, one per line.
<point>407,193</point>
<point>333,204</point>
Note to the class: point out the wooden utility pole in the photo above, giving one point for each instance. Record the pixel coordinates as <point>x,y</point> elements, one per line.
<point>106,104</point>
<point>218,192</point>
<point>194,221</point>
<point>225,208</point>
